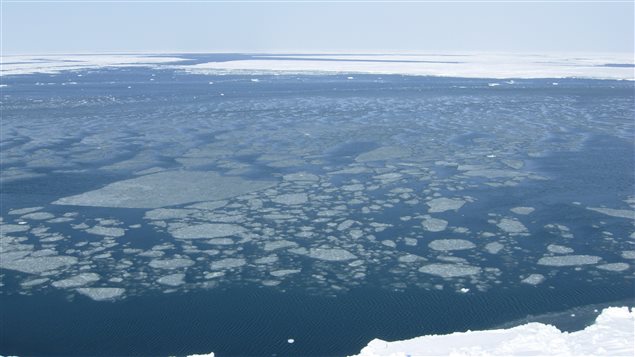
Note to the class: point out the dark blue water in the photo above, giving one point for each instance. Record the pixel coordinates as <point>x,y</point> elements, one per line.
<point>583,150</point>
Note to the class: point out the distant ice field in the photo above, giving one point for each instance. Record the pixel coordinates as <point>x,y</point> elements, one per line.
<point>382,204</point>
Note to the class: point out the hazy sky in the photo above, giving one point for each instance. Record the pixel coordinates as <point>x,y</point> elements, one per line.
<point>66,27</point>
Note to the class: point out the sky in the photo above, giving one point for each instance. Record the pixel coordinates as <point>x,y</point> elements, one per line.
<point>45,27</point>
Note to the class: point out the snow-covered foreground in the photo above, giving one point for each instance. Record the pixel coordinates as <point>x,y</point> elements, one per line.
<point>471,65</point>
<point>612,334</point>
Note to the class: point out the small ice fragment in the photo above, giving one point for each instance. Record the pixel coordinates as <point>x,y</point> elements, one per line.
<point>533,279</point>
<point>106,231</point>
<point>522,210</point>
<point>434,224</point>
<point>443,204</point>
<point>464,290</point>
<point>512,226</point>
<point>290,340</point>
<point>451,244</point>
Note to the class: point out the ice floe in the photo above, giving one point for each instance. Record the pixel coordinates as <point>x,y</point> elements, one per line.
<point>228,263</point>
<point>36,265</point>
<point>471,65</point>
<point>172,279</point>
<point>106,231</point>
<point>102,294</point>
<point>620,213</point>
<point>174,263</point>
<point>450,270</point>
<point>451,244</point>
<point>559,249</point>
<point>443,204</point>
<point>512,226</point>
<point>291,199</point>
<point>166,189</point>
<point>522,210</point>
<point>329,254</point>
<point>614,266</point>
<point>534,279</point>
<point>24,64</point>
<point>206,230</point>
<point>77,280</point>
<point>434,224</point>
<point>26,210</point>
<point>569,260</point>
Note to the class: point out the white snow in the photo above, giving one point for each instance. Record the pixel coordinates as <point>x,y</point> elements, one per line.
<point>612,334</point>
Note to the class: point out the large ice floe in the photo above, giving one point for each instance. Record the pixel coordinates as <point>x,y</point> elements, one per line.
<point>468,65</point>
<point>166,189</point>
<point>25,64</point>
<point>612,334</point>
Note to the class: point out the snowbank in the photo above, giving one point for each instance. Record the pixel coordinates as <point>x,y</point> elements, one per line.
<point>613,333</point>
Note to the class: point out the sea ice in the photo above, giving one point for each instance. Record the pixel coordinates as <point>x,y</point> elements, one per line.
<point>106,231</point>
<point>26,210</point>
<point>210,206</point>
<point>36,265</point>
<point>534,279</point>
<point>165,189</point>
<point>284,272</point>
<point>614,266</point>
<point>228,263</point>
<point>451,244</point>
<point>628,254</point>
<point>443,204</point>
<point>330,254</point>
<point>512,226</point>
<point>207,230</point>
<point>77,280</point>
<point>621,213</point>
<point>278,244</point>
<point>569,260</point>
<point>101,294</point>
<point>172,279</point>
<point>38,216</point>
<point>559,249</point>
<point>523,210</point>
<point>168,213</point>
<point>301,176</point>
<point>431,224</point>
<point>291,199</point>
<point>175,263</point>
<point>450,270</point>
<point>383,153</point>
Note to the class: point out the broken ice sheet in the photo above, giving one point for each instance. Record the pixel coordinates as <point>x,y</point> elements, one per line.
<point>450,270</point>
<point>166,189</point>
